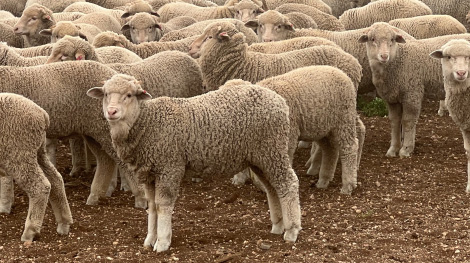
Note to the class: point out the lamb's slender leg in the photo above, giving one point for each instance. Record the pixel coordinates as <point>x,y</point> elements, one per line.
<point>90,158</point>
<point>348,155</point>
<point>166,191</point>
<point>466,144</point>
<point>315,160</point>
<point>442,108</point>
<point>124,182</point>
<point>113,183</point>
<point>395,116</point>
<point>51,146</point>
<point>7,195</point>
<point>57,198</point>
<point>330,153</point>
<point>361,134</point>
<point>151,238</point>
<point>137,189</point>
<point>409,119</point>
<point>77,148</point>
<point>103,174</point>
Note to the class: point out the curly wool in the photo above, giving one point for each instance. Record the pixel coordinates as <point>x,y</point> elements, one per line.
<point>7,35</point>
<point>173,10</point>
<point>8,57</point>
<point>43,50</point>
<point>301,20</point>
<point>55,6</point>
<point>455,8</point>
<point>324,20</point>
<point>429,26</point>
<point>292,44</point>
<point>382,11</point>
<point>222,60</point>
<point>88,8</point>
<point>317,4</point>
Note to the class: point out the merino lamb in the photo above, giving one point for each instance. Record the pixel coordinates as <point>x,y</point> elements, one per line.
<point>15,7</point>
<point>7,35</point>
<point>8,57</point>
<point>74,48</point>
<point>145,49</point>
<point>23,158</point>
<point>5,15</point>
<point>455,8</point>
<point>429,26</point>
<point>224,56</point>
<point>67,28</point>
<point>324,20</point>
<point>207,139</point>
<point>453,57</point>
<point>88,8</point>
<point>55,6</point>
<point>403,74</point>
<point>247,10</point>
<point>43,50</point>
<point>173,10</point>
<point>382,11</point>
<point>317,4</point>
<point>301,20</point>
<point>297,43</point>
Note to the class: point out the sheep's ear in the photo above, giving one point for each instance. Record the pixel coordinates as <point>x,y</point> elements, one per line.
<point>46,17</point>
<point>223,36</point>
<point>143,95</point>
<point>82,36</point>
<point>363,39</point>
<point>232,9</point>
<point>125,27</point>
<point>126,15</point>
<point>46,32</point>
<point>154,13</point>
<point>253,24</point>
<point>400,39</point>
<point>260,10</point>
<point>437,54</point>
<point>80,55</point>
<point>289,26</point>
<point>158,26</point>
<point>96,92</point>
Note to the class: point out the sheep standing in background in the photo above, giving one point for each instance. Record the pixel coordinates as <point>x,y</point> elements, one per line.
<point>429,26</point>
<point>173,10</point>
<point>455,8</point>
<point>43,50</point>
<point>324,20</point>
<point>15,7</point>
<point>88,8</point>
<point>23,158</point>
<point>163,139</point>
<point>247,10</point>
<point>382,11</point>
<point>289,45</point>
<point>454,58</point>
<point>67,28</point>
<point>317,4</point>
<point>403,75</point>
<point>53,5</point>
<point>301,20</point>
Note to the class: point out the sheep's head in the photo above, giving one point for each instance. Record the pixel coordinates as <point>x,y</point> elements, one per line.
<point>108,38</point>
<point>70,49</point>
<point>467,18</point>
<point>214,32</point>
<point>271,26</point>
<point>455,59</point>
<point>34,19</point>
<point>381,40</point>
<point>121,97</point>
<point>62,29</point>
<point>143,28</point>
<point>138,7</point>
<point>247,10</point>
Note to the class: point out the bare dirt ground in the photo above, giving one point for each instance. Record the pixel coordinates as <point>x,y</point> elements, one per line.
<point>404,210</point>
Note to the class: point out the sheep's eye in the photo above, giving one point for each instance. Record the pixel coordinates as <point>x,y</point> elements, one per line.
<point>238,12</point>
<point>254,11</point>
<point>106,94</point>
<point>372,39</point>
<point>34,18</point>
<point>260,26</point>
<point>279,26</point>
<point>449,57</point>
<point>129,95</point>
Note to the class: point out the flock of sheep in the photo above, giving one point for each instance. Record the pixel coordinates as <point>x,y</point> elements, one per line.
<point>214,87</point>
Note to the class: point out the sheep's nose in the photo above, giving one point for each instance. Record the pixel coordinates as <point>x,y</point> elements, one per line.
<point>461,73</point>
<point>384,56</point>
<point>16,29</point>
<point>267,40</point>
<point>112,112</point>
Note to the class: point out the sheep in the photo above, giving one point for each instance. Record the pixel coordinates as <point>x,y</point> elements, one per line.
<point>208,139</point>
<point>338,6</point>
<point>67,28</point>
<point>110,4</point>
<point>157,4</point>
<point>455,8</point>
<point>143,50</point>
<point>403,75</point>
<point>224,56</point>
<point>7,35</point>
<point>88,8</point>
<point>198,28</point>
<point>23,158</point>
<point>357,3</point>
<point>103,21</point>
<point>8,57</point>
<point>173,10</point>
<point>324,20</point>
<point>290,45</point>
<point>454,60</point>
<point>347,40</point>
<point>55,6</point>
<point>301,20</point>
<point>43,50</point>
<point>6,15</point>
<point>317,4</point>
<point>247,10</point>
<point>382,11</point>
<point>234,2</point>
<point>74,48</point>
<point>15,7</point>
<point>429,26</point>
<point>139,6</point>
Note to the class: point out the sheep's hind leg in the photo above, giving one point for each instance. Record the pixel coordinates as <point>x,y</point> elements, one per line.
<point>151,238</point>
<point>330,153</point>
<point>7,195</point>
<point>466,144</point>
<point>348,155</point>
<point>409,119</point>
<point>314,162</point>
<point>77,148</point>
<point>395,115</point>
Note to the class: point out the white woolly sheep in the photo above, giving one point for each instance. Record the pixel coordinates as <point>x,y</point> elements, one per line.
<point>429,26</point>
<point>138,6</point>
<point>301,20</point>
<point>173,10</point>
<point>324,20</point>
<point>8,57</point>
<point>143,27</point>
<point>204,144</point>
<point>157,4</point>
<point>14,7</point>
<point>247,10</point>
<point>88,8</point>
<point>453,57</point>
<point>5,15</point>
<point>110,4</point>
<point>43,50</point>
<point>455,8</point>
<point>382,11</point>
<point>55,6</point>
<point>7,35</point>
<point>317,4</point>
<point>290,45</point>
<point>403,75</point>
<point>145,49</point>
<point>67,28</point>
<point>23,158</point>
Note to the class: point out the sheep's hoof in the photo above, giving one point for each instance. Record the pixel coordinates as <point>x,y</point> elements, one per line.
<point>468,189</point>
<point>140,202</point>
<point>322,183</point>
<point>278,228</point>
<point>162,246</point>
<point>5,209</point>
<point>392,152</point>
<point>110,190</point>
<point>149,242</point>
<point>63,229</point>
<point>92,199</point>
<point>291,234</point>
<point>28,243</point>
<point>29,234</point>
<point>347,189</point>
<point>405,152</point>
<point>313,170</point>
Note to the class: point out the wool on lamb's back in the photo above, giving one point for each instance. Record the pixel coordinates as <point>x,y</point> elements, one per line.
<point>324,20</point>
<point>173,10</point>
<point>429,26</point>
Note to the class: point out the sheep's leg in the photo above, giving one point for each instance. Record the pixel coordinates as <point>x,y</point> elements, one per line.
<point>330,153</point>
<point>7,195</point>
<point>124,182</point>
<point>304,144</point>
<point>57,198</point>
<point>77,148</point>
<point>151,238</point>
<point>466,144</point>
<point>442,108</point>
<point>103,174</point>
<point>51,146</point>
<point>166,192</point>
<point>90,158</point>
<point>395,116</point>
<point>348,155</point>
<point>137,190</point>
<point>113,183</point>
<point>409,119</point>
<point>361,134</point>
<point>314,162</point>
<point>241,177</point>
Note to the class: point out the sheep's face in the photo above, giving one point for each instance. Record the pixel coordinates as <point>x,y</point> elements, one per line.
<point>67,49</point>
<point>62,29</point>
<point>143,28</point>
<point>246,10</point>
<point>121,96</point>
<point>215,32</point>
<point>455,59</point>
<point>271,26</point>
<point>34,19</point>
<point>381,42</point>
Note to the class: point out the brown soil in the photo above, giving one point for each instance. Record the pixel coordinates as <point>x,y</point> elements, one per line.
<point>404,210</point>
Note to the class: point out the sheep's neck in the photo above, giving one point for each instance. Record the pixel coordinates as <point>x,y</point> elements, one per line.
<point>126,135</point>
<point>458,101</point>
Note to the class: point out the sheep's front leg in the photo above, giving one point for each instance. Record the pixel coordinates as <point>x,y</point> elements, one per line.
<point>6,193</point>
<point>395,115</point>
<point>314,162</point>
<point>151,238</point>
<point>410,117</point>
<point>166,191</point>
<point>466,144</point>
<point>442,108</point>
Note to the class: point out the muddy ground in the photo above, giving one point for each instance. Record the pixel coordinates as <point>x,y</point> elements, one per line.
<point>404,210</point>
